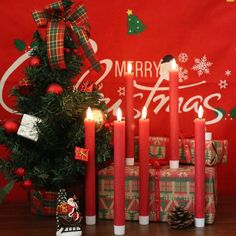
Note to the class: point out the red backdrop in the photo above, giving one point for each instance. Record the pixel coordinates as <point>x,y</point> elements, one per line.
<point>199,34</point>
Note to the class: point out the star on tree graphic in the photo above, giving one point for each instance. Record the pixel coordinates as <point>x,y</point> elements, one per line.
<point>135,25</point>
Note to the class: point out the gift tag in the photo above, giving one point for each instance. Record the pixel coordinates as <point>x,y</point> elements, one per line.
<point>28,127</point>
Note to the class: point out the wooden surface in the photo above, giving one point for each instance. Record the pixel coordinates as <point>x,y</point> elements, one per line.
<point>16,220</point>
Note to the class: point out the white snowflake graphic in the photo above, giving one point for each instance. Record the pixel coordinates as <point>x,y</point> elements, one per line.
<point>121,91</point>
<point>202,65</point>
<point>182,174</point>
<point>223,84</point>
<point>228,72</point>
<point>183,74</point>
<point>165,174</point>
<point>183,57</point>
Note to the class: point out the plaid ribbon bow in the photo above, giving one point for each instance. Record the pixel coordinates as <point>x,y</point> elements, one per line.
<point>55,19</point>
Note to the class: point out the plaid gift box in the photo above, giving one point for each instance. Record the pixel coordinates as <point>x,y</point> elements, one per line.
<point>216,151</point>
<point>168,188</point>
<point>43,202</point>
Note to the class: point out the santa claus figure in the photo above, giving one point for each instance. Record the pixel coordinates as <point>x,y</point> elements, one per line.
<point>73,209</point>
<point>165,67</point>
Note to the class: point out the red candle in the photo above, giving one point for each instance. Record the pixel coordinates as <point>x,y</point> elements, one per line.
<point>129,98</point>
<point>200,170</point>
<point>174,117</point>
<point>90,193</point>
<point>144,169</point>
<point>119,175</point>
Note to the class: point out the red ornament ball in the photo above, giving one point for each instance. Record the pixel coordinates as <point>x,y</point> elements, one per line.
<point>107,125</point>
<point>25,87</point>
<point>11,126</point>
<point>20,171</point>
<point>54,88</point>
<point>34,61</point>
<point>27,184</point>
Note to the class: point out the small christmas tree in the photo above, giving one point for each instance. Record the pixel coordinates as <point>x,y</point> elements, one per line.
<point>44,155</point>
<point>135,25</point>
<point>61,205</point>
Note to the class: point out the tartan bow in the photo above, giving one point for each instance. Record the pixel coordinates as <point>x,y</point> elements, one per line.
<point>55,19</point>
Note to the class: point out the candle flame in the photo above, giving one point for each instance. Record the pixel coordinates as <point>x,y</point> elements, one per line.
<point>173,64</point>
<point>129,67</point>
<point>89,114</point>
<point>144,113</point>
<point>200,112</point>
<point>119,114</point>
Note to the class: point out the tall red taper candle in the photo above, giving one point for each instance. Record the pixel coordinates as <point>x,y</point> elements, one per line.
<point>144,168</point>
<point>174,116</point>
<point>199,170</point>
<point>119,175</point>
<point>90,192</point>
<point>129,115</point>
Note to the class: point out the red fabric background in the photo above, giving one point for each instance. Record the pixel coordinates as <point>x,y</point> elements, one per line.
<point>195,28</point>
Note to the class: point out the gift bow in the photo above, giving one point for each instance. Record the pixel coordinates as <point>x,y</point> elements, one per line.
<point>55,19</point>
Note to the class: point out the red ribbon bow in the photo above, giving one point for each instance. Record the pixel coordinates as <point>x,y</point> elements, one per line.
<point>55,18</point>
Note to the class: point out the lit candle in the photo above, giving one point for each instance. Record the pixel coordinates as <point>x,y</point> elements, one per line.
<point>174,116</point>
<point>129,91</point>
<point>144,168</point>
<point>199,169</point>
<point>119,175</point>
<point>90,192</point>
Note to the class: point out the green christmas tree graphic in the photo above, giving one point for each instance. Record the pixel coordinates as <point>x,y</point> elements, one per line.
<point>135,25</point>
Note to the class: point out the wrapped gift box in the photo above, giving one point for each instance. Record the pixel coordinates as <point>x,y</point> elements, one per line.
<point>28,127</point>
<point>43,202</point>
<point>168,188</point>
<point>216,151</point>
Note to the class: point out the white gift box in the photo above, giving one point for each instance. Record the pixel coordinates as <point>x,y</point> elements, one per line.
<point>28,127</point>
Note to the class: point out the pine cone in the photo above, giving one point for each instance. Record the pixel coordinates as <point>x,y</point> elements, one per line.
<point>179,218</point>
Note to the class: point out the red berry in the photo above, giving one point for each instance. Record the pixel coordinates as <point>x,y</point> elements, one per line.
<point>11,126</point>
<point>20,171</point>
<point>77,52</point>
<point>34,61</point>
<point>27,184</point>
<point>54,88</point>
<point>66,50</point>
<point>107,125</point>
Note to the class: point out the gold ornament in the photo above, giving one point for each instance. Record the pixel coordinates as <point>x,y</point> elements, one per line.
<point>99,118</point>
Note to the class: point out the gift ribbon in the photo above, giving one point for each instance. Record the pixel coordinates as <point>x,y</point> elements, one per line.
<point>186,148</point>
<point>157,164</point>
<point>55,19</point>
<point>217,158</point>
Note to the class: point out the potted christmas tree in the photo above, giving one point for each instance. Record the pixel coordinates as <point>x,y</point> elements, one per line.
<point>42,140</point>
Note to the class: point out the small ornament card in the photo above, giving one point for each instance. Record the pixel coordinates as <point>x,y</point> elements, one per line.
<point>81,154</point>
<point>68,216</point>
<point>28,127</point>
